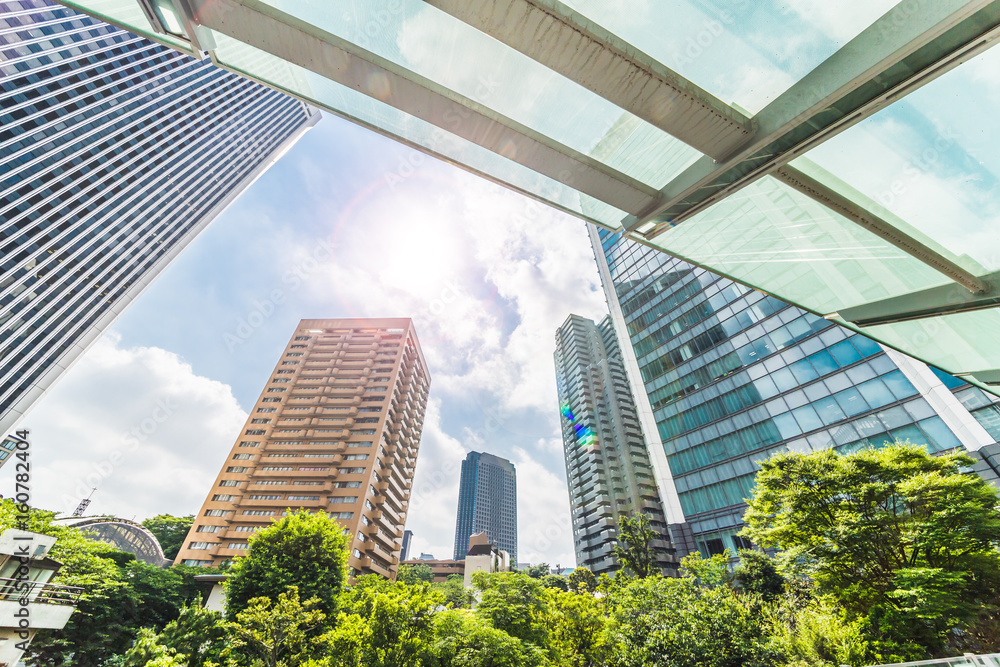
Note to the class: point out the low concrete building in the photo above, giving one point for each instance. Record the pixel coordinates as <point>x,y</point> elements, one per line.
<point>484,557</point>
<point>28,603</point>
<point>441,569</point>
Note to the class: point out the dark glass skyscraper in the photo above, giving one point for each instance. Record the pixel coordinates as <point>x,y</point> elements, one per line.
<point>607,465</point>
<point>732,376</point>
<point>487,503</point>
<point>116,152</point>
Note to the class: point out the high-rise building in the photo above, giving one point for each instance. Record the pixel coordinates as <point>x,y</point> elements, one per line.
<point>607,465</point>
<point>335,430</point>
<point>405,548</point>
<point>726,376</point>
<point>487,503</point>
<point>117,152</point>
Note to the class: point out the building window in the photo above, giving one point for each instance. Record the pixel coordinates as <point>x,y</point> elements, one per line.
<point>208,529</point>
<point>249,443</point>
<point>347,485</point>
<point>217,512</point>
<point>258,512</point>
<point>200,545</point>
<point>341,515</point>
<point>260,420</point>
<point>276,467</point>
<point>344,499</point>
<point>255,431</point>
<point>350,471</point>
<point>236,469</point>
<point>222,498</point>
<point>312,468</point>
<point>267,409</point>
<point>243,456</point>
<point>356,457</point>
<point>237,545</point>
<point>278,389</point>
<point>229,482</point>
<point>264,497</point>
<point>303,497</point>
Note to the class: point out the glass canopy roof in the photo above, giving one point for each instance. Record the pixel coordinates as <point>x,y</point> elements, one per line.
<point>836,155</point>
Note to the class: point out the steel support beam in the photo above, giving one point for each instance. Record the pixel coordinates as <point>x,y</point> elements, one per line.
<point>568,43</point>
<point>941,300</point>
<point>264,27</point>
<point>909,46</point>
<point>853,211</point>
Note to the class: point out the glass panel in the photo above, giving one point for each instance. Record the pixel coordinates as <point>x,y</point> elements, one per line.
<point>435,45</point>
<point>779,240</point>
<point>933,160</point>
<point>128,14</point>
<point>373,113</point>
<point>743,52</point>
<point>963,341</point>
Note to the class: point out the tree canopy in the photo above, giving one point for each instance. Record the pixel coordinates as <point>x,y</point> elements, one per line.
<point>308,551</point>
<point>894,534</point>
<point>169,531</point>
<point>634,549</point>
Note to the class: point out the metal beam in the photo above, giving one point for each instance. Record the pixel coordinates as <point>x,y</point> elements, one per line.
<point>941,300</point>
<point>568,43</point>
<point>867,219</point>
<point>264,27</point>
<point>909,46</point>
<point>991,377</point>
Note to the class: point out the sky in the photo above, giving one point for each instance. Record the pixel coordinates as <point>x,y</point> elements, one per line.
<point>351,224</point>
<point>150,412</point>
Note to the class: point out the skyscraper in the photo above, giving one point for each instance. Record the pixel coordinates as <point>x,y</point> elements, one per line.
<point>336,430</point>
<point>731,376</point>
<point>607,465</point>
<point>117,152</point>
<point>487,503</point>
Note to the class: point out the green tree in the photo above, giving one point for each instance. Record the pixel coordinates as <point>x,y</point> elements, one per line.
<point>634,549</point>
<point>709,572</point>
<point>514,603</point>
<point>412,574</point>
<point>896,535</point>
<point>577,628</point>
<point>463,639</point>
<point>581,580</point>
<point>304,550</point>
<point>677,623</point>
<point>536,571</point>
<point>275,634</point>
<point>383,624</point>
<point>169,531</point>
<point>453,590</point>
<point>197,633</point>
<point>555,581</point>
<point>757,573</point>
<point>818,634</point>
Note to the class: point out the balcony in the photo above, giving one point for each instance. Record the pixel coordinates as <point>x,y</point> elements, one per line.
<point>49,605</point>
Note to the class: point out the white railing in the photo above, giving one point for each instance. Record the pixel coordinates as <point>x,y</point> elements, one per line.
<point>967,660</point>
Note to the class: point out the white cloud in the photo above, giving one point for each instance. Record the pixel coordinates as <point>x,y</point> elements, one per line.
<point>136,423</point>
<point>545,529</point>
<point>841,21</point>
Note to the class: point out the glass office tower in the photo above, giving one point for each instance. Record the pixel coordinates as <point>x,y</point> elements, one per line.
<point>116,152</point>
<point>607,466</point>
<point>487,503</point>
<point>732,376</point>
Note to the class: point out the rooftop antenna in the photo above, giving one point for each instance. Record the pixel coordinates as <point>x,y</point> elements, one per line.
<point>84,504</point>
